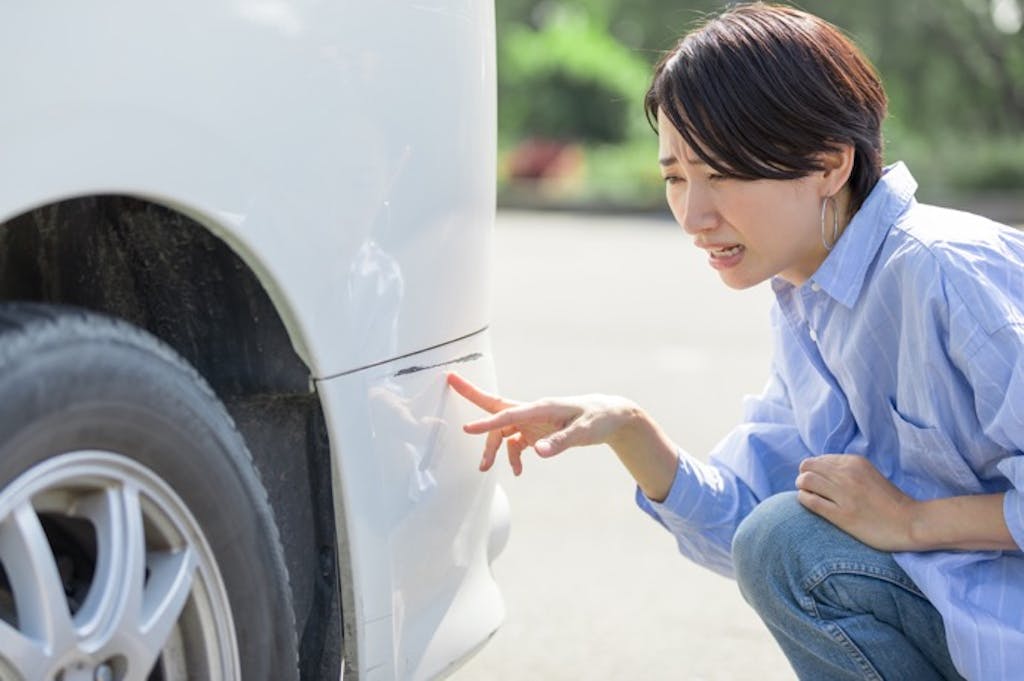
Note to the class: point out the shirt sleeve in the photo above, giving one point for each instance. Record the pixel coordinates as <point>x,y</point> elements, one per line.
<point>708,501</point>
<point>998,381</point>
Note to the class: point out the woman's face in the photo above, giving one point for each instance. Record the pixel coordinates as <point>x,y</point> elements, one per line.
<point>751,229</point>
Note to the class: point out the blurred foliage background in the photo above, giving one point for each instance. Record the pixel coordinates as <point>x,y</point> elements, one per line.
<point>572,74</point>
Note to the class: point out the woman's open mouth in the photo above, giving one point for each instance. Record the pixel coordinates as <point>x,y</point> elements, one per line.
<point>726,252</point>
<point>724,258</point>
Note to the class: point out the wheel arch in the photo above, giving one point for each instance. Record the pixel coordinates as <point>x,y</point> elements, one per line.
<point>172,272</point>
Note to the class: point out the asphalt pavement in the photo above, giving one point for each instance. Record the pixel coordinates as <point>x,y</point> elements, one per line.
<point>595,589</point>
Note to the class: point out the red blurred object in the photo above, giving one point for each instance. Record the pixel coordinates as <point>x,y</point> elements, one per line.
<point>540,159</point>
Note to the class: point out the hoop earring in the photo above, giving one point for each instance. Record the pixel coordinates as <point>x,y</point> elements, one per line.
<point>835,222</point>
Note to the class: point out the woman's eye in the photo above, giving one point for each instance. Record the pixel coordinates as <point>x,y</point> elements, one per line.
<point>673,179</point>
<point>715,176</point>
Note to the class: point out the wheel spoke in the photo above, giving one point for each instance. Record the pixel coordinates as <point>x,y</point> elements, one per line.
<point>146,560</point>
<point>170,584</point>
<point>115,599</point>
<point>130,547</point>
<point>21,653</point>
<point>136,614</point>
<point>39,596</point>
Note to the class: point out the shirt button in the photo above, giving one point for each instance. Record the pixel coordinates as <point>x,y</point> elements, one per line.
<point>815,286</point>
<point>814,335</point>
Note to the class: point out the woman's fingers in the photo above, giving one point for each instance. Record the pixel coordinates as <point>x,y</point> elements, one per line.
<point>519,416</point>
<point>491,447</point>
<point>816,483</point>
<point>573,435</point>
<point>550,425</point>
<point>517,441</point>
<point>817,504</point>
<point>484,400</point>
<point>515,445</point>
<point>497,428</point>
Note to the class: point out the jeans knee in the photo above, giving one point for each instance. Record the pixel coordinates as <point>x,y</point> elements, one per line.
<point>766,544</point>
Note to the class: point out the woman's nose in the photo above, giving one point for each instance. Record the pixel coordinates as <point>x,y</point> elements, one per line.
<point>697,214</point>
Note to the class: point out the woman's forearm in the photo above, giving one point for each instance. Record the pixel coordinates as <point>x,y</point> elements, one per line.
<point>646,452</point>
<point>967,523</point>
<point>848,491</point>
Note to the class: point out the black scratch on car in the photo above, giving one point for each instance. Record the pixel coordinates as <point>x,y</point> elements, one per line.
<point>413,369</point>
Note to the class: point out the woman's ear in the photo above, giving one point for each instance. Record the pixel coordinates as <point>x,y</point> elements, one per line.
<point>837,167</point>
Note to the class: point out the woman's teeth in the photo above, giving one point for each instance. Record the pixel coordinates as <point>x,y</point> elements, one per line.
<point>727,252</point>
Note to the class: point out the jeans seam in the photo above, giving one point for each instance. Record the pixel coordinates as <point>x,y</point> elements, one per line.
<point>817,576</point>
<point>851,649</point>
<point>823,572</point>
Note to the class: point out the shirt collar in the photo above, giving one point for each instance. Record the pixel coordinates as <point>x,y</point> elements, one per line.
<point>843,272</point>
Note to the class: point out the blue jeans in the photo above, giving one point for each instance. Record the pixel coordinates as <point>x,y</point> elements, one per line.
<point>838,608</point>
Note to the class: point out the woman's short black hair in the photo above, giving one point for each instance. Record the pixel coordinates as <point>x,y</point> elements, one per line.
<point>760,91</point>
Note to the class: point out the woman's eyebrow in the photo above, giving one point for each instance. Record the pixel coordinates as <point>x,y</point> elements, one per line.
<point>672,160</point>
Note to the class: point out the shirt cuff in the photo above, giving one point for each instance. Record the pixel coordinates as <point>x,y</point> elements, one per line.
<point>1013,512</point>
<point>684,497</point>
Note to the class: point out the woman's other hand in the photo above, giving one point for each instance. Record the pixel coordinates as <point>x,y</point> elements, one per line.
<point>848,491</point>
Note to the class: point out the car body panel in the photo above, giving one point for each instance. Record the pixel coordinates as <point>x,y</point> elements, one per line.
<point>419,522</point>
<point>345,150</point>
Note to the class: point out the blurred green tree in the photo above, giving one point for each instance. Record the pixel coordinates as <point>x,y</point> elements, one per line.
<point>948,64</point>
<point>954,71</point>
<point>569,79</point>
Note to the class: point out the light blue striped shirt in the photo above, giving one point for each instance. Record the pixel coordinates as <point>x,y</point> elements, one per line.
<point>907,347</point>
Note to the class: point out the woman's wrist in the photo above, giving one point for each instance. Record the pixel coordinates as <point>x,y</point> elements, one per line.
<point>631,424</point>
<point>919,531</point>
<point>646,452</point>
<point>964,523</point>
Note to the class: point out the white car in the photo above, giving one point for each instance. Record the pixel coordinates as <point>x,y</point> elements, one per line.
<point>242,242</point>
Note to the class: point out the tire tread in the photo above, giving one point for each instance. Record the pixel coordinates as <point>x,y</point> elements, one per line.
<point>25,325</point>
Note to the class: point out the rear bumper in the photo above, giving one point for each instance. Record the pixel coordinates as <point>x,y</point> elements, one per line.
<point>418,523</point>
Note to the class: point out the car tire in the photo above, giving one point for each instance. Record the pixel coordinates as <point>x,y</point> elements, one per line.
<point>136,540</point>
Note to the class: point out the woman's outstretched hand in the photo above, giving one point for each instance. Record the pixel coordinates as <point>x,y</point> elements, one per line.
<point>553,425</point>
<point>550,425</point>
